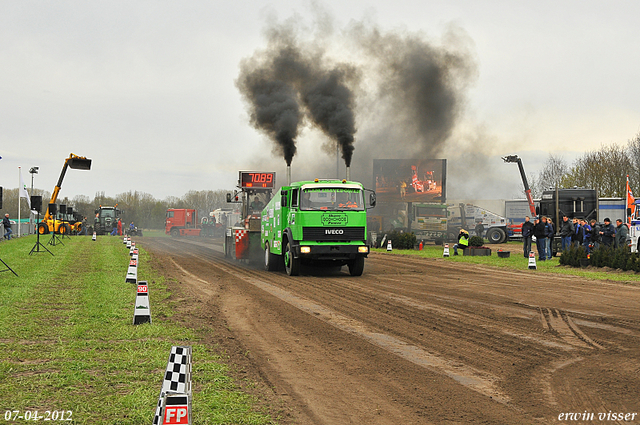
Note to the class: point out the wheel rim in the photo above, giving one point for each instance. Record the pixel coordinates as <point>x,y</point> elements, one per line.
<point>287,257</point>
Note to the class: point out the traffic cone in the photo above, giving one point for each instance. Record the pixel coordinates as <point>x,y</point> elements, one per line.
<point>389,249</point>
<point>532,261</point>
<point>445,253</point>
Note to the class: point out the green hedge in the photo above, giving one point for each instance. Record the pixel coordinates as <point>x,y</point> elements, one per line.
<point>402,240</point>
<point>603,256</point>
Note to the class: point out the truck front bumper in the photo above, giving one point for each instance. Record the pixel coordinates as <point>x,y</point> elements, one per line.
<point>330,252</point>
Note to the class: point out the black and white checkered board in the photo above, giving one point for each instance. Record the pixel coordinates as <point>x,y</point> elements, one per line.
<point>177,378</point>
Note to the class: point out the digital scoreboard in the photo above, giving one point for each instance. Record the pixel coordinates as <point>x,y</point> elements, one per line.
<point>257,179</point>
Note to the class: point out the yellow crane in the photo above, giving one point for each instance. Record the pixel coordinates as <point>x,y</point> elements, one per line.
<point>49,223</point>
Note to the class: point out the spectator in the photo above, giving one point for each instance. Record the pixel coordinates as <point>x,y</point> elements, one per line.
<point>540,232</point>
<point>586,228</point>
<point>622,231</point>
<point>7,226</point>
<point>551,231</point>
<point>463,241</point>
<point>566,232</point>
<point>131,226</point>
<point>578,235</point>
<point>527,233</point>
<point>119,227</point>
<point>595,234</point>
<point>607,232</point>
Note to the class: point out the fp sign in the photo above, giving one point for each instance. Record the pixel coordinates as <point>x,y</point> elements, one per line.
<point>176,415</point>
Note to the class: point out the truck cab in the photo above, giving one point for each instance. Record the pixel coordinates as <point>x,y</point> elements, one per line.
<point>316,222</point>
<point>182,222</point>
<point>574,203</point>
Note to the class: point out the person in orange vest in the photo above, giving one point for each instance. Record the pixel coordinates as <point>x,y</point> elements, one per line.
<point>119,227</point>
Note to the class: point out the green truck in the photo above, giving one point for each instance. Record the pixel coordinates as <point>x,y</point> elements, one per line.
<point>321,221</point>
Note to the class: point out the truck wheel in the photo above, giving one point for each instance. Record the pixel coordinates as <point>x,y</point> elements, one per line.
<point>175,232</point>
<point>43,229</point>
<point>291,265</point>
<point>270,260</point>
<point>496,235</point>
<point>356,267</point>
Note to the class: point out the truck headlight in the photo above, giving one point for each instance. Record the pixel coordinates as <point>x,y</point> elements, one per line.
<point>363,249</point>
<point>305,249</point>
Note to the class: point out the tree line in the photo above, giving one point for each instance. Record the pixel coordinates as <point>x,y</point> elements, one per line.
<point>139,207</point>
<point>605,170</point>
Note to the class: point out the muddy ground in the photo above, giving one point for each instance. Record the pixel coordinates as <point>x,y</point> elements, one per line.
<point>413,341</point>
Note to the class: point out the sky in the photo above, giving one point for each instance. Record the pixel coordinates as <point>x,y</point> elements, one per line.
<point>147,89</point>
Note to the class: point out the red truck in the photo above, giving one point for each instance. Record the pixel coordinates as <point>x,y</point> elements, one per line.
<point>182,222</point>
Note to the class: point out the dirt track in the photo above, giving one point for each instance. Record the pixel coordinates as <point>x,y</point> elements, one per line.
<point>414,341</point>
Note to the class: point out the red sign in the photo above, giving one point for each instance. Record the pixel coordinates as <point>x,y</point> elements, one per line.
<point>143,289</point>
<point>176,415</point>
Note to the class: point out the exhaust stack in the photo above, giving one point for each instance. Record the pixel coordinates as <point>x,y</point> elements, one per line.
<point>288,175</point>
<point>348,173</point>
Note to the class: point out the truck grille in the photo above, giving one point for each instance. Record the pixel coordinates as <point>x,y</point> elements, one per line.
<point>333,234</point>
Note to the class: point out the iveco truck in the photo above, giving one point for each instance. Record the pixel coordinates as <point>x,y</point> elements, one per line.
<point>316,222</point>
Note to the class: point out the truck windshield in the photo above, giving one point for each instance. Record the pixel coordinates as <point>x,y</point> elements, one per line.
<point>107,213</point>
<point>331,199</point>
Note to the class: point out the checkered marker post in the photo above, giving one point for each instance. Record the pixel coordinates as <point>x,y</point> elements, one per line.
<point>176,389</point>
<point>132,275</point>
<point>124,240</point>
<point>134,251</point>
<point>142,311</point>
<point>129,243</point>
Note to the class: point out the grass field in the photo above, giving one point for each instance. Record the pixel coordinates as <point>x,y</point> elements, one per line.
<point>517,261</point>
<point>67,342</point>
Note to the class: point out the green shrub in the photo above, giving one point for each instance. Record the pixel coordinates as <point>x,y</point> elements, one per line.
<point>476,241</point>
<point>573,255</point>
<point>615,258</point>
<point>402,240</point>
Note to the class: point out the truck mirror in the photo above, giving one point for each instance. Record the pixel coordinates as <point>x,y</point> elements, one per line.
<point>628,212</point>
<point>95,212</point>
<point>283,199</point>
<point>538,210</point>
<point>372,199</point>
<point>228,198</point>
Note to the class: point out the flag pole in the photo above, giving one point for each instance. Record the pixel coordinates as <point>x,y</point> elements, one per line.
<point>19,181</point>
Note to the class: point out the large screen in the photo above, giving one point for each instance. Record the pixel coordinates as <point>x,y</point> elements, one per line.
<point>410,180</point>
<point>257,179</point>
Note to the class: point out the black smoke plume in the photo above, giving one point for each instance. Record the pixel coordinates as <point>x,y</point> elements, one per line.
<point>421,88</point>
<point>273,105</point>
<point>325,93</point>
<point>330,103</point>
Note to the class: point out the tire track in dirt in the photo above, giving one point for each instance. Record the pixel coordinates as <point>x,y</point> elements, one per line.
<point>500,326</point>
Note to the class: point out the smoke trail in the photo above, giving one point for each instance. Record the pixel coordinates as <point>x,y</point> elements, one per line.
<point>421,89</point>
<point>330,103</point>
<point>273,105</point>
<point>326,94</point>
